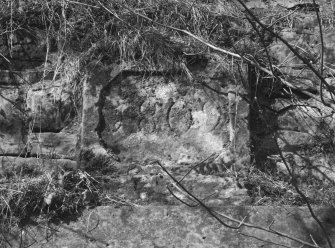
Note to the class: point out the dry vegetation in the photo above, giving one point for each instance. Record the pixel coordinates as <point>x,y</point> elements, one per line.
<point>114,32</point>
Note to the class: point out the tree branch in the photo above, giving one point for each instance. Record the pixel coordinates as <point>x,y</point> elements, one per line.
<point>303,196</point>
<point>215,214</point>
<point>235,55</point>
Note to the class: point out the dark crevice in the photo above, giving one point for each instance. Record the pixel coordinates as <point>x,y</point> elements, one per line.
<point>34,155</point>
<point>305,7</point>
<point>262,118</point>
<point>46,130</point>
<point>26,154</point>
<point>23,155</point>
<point>300,94</point>
<point>168,111</point>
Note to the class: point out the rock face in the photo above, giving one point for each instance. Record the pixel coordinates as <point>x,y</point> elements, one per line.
<point>169,226</point>
<point>126,120</point>
<point>37,121</point>
<point>50,105</point>
<point>11,122</point>
<point>160,116</point>
<point>132,119</point>
<point>37,111</point>
<point>301,125</point>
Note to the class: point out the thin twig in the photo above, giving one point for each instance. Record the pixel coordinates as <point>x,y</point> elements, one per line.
<point>304,197</point>
<point>84,4</point>
<point>268,230</point>
<point>4,58</point>
<point>193,167</point>
<point>322,51</point>
<point>182,201</point>
<point>263,240</point>
<point>210,211</point>
<point>235,55</point>
<point>292,49</point>
<point>239,223</point>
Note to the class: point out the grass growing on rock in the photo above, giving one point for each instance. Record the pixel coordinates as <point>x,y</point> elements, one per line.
<point>272,188</point>
<point>54,196</point>
<point>32,195</point>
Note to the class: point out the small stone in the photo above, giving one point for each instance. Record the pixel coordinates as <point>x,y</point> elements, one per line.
<point>48,200</point>
<point>144,196</point>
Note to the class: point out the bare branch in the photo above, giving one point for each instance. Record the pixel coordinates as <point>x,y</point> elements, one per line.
<point>263,240</point>
<point>235,55</point>
<point>210,211</point>
<point>304,197</point>
<point>322,52</point>
<point>193,167</point>
<point>293,50</point>
<point>240,223</point>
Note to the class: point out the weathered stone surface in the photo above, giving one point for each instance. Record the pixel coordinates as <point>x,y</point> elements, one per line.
<point>170,123</point>
<point>139,116</point>
<point>98,77</point>
<point>53,145</point>
<point>10,165</point>
<point>319,166</point>
<point>305,133</point>
<point>293,140</point>
<point>20,77</point>
<point>308,46</point>
<point>308,117</point>
<point>51,106</point>
<point>12,133</point>
<point>159,116</point>
<point>151,182</point>
<point>26,49</point>
<point>171,226</point>
<point>238,129</point>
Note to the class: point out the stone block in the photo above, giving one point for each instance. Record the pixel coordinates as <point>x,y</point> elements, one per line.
<point>20,77</point>
<point>51,106</point>
<point>292,140</point>
<point>306,117</point>
<point>318,166</point>
<point>53,145</point>
<point>182,227</point>
<point>141,117</point>
<point>156,118</point>
<point>12,165</point>
<point>12,133</point>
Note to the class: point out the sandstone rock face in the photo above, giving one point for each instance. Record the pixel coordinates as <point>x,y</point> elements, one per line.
<point>159,116</point>
<point>128,119</point>
<point>302,126</point>
<point>50,105</point>
<point>152,184</point>
<point>26,49</point>
<point>13,77</point>
<point>171,226</point>
<point>38,119</point>
<point>12,122</point>
<point>54,145</point>
<point>160,121</point>
<point>317,166</point>
<point>12,165</point>
<point>132,118</point>
<point>37,113</point>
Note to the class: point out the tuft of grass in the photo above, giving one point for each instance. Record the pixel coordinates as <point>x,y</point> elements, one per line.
<point>274,188</point>
<point>52,196</point>
<point>117,35</point>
